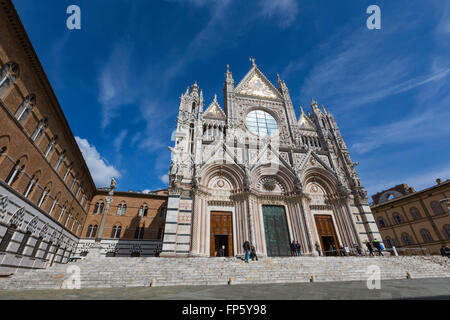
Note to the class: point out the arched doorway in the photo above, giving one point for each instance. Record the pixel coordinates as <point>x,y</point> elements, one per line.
<point>276,230</point>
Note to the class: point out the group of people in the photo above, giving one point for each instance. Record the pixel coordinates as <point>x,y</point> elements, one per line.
<point>375,244</point>
<point>445,252</point>
<point>296,249</point>
<point>250,252</point>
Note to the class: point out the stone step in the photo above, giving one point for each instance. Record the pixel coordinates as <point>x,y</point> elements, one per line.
<point>136,272</point>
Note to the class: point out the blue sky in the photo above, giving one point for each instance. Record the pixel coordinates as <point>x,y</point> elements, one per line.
<point>119,78</point>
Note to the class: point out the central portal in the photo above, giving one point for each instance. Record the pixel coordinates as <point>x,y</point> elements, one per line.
<point>221,233</point>
<point>276,230</point>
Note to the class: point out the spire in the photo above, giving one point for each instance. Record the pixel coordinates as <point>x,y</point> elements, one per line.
<point>215,98</point>
<point>324,110</point>
<point>229,76</point>
<point>313,102</point>
<point>301,109</point>
<point>194,89</point>
<point>253,62</point>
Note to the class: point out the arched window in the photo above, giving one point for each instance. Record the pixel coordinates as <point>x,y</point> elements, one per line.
<point>39,131</point>
<point>60,161</point>
<point>437,208</point>
<point>426,235</point>
<point>122,209</point>
<point>30,187</point>
<point>67,173</point>
<point>116,230</point>
<point>388,242</point>
<point>43,196</point>
<point>91,231</point>
<point>14,174</point>
<point>50,147</point>
<point>25,108</point>
<point>415,213</point>
<point>98,209</point>
<point>55,201</point>
<point>143,210</point>
<point>8,75</point>
<point>73,183</point>
<point>397,218</point>
<point>381,222</point>
<point>446,231</point>
<point>406,239</point>
<point>61,214</point>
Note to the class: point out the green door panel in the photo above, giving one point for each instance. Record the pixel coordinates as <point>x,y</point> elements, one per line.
<point>276,230</point>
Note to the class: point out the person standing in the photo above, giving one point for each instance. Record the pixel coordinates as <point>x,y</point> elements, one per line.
<point>220,252</point>
<point>369,247</point>
<point>318,249</point>
<point>377,246</point>
<point>253,253</point>
<point>299,248</point>
<point>358,250</point>
<point>293,248</point>
<point>246,250</point>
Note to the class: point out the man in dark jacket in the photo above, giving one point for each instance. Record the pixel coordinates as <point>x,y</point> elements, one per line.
<point>299,248</point>
<point>246,246</point>
<point>221,252</point>
<point>369,247</point>
<point>293,248</point>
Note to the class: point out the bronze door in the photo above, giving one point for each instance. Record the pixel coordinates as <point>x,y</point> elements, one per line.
<point>327,233</point>
<point>221,233</point>
<point>276,231</point>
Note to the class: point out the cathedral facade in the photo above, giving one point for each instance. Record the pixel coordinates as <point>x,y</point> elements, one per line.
<point>251,171</point>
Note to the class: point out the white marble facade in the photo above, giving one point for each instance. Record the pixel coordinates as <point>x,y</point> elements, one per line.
<point>254,152</point>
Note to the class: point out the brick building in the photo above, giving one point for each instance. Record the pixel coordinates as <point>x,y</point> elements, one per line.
<point>46,189</point>
<point>134,223</point>
<point>414,219</point>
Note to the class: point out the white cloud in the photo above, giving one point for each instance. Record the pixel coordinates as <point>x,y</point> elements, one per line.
<point>164,178</point>
<point>119,140</point>
<point>285,11</point>
<point>429,123</point>
<point>115,82</point>
<point>101,172</point>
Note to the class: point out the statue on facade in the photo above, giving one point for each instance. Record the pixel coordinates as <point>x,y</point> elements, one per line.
<point>113,184</point>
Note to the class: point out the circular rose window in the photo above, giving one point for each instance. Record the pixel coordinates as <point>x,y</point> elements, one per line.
<point>261,123</point>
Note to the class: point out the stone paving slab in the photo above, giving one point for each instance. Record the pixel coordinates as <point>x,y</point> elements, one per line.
<point>435,288</point>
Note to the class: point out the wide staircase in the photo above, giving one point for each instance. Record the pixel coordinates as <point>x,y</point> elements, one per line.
<point>145,272</point>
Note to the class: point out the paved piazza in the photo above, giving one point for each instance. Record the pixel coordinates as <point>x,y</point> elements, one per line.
<point>436,288</point>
